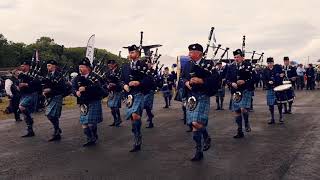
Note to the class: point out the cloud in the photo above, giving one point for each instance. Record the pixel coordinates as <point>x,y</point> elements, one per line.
<point>7,4</point>
<point>275,27</point>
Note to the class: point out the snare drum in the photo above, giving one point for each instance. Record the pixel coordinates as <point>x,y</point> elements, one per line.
<point>284,93</point>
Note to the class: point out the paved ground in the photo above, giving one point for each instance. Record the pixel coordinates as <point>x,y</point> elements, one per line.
<point>290,151</point>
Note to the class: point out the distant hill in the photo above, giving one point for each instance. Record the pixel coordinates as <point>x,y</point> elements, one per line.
<point>168,60</point>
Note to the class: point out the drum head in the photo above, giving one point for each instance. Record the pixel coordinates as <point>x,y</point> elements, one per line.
<point>286,82</point>
<point>283,87</point>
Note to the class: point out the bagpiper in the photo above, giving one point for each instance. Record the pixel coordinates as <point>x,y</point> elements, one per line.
<point>115,91</point>
<point>167,83</point>
<point>239,79</point>
<point>200,84</point>
<point>29,86</point>
<point>54,90</point>
<point>89,92</point>
<point>149,95</point>
<point>135,82</point>
<point>221,91</point>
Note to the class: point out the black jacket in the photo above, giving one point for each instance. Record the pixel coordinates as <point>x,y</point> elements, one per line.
<point>240,72</point>
<point>210,78</point>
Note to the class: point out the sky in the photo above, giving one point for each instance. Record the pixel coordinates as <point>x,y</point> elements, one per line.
<point>276,27</point>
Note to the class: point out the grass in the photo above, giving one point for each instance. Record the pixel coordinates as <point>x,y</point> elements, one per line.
<point>3,105</point>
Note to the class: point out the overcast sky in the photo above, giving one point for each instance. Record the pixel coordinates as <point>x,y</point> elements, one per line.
<point>277,27</point>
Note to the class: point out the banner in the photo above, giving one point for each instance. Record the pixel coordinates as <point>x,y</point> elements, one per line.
<point>90,48</point>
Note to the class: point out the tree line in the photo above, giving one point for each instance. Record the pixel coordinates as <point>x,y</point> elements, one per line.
<point>13,53</point>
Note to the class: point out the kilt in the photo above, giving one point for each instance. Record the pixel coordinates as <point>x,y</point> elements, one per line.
<point>245,101</point>
<point>137,106</point>
<point>30,102</point>
<point>271,97</point>
<point>55,106</point>
<point>201,112</point>
<point>167,93</point>
<point>114,101</point>
<point>148,100</point>
<point>94,114</point>
<point>221,92</point>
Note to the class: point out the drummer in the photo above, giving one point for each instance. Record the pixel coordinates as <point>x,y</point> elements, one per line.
<point>271,75</point>
<point>290,74</point>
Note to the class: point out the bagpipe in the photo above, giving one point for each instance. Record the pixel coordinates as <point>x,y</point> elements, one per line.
<point>35,72</point>
<point>140,69</point>
<point>48,83</point>
<point>99,68</point>
<point>94,79</point>
<point>204,69</point>
<point>237,96</point>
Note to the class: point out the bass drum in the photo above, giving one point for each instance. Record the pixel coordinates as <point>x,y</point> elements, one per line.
<point>181,62</point>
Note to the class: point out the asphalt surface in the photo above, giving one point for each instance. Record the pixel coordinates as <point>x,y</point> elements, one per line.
<point>289,151</point>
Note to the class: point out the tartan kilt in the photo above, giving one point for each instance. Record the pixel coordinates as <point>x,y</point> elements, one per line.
<point>94,114</point>
<point>114,101</point>
<point>167,93</point>
<point>201,112</point>
<point>245,101</point>
<point>55,106</point>
<point>137,106</point>
<point>148,100</point>
<point>271,97</point>
<point>29,101</point>
<point>221,92</point>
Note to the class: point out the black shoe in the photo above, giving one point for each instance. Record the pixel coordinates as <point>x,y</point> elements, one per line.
<point>150,125</point>
<point>207,144</point>
<point>113,124</point>
<point>218,108</point>
<point>118,124</point>
<point>18,120</point>
<point>55,138</point>
<point>135,148</point>
<point>29,134</point>
<point>289,112</point>
<point>238,136</point>
<point>286,112</point>
<point>221,108</point>
<point>89,143</point>
<point>271,122</point>
<point>165,107</point>
<point>189,130</point>
<point>281,121</point>
<point>248,129</point>
<point>197,157</point>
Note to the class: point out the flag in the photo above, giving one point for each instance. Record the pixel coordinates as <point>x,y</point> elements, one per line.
<point>214,38</point>
<point>90,48</point>
<point>37,56</point>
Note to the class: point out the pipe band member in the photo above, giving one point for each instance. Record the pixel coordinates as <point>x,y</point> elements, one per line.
<point>239,79</point>
<point>135,82</point>
<point>89,92</point>
<point>290,74</point>
<point>54,90</point>
<point>271,75</point>
<point>29,87</point>
<point>199,84</point>
<point>115,91</point>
